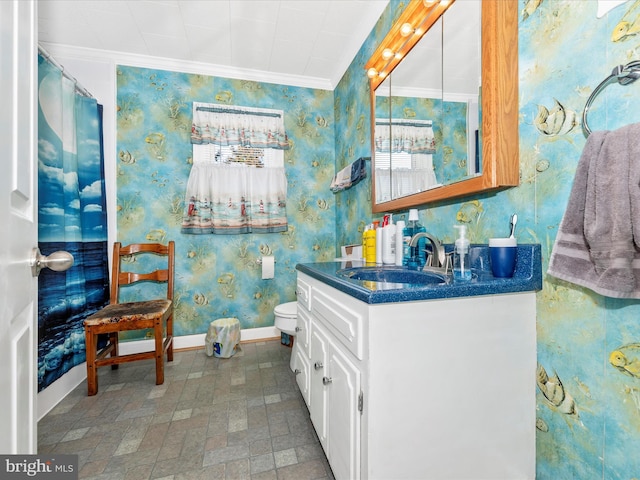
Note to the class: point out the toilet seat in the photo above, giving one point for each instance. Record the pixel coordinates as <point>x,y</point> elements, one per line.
<point>287,310</point>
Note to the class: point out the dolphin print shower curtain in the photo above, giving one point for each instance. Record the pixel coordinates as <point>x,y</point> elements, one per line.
<point>72,217</point>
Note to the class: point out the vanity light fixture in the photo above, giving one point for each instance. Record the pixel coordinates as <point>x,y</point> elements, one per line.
<point>387,53</point>
<point>412,24</point>
<point>372,72</point>
<point>406,29</point>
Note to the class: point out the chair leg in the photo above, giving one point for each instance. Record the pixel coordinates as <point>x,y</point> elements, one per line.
<point>92,374</point>
<point>113,339</point>
<point>157,329</point>
<point>170,334</point>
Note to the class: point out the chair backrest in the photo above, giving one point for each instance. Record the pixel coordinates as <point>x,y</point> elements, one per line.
<point>163,275</point>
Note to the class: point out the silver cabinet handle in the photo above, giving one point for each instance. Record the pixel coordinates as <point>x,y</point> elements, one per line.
<point>297,371</point>
<point>58,261</point>
<point>326,380</point>
<point>318,365</point>
<point>298,329</point>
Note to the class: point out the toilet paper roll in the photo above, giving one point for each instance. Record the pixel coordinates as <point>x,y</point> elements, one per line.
<point>268,267</point>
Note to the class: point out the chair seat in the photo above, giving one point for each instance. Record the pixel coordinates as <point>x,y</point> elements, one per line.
<point>130,312</point>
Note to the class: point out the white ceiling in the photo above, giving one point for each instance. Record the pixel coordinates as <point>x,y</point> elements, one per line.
<point>313,39</point>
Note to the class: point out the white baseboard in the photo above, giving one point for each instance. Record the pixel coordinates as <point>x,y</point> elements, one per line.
<point>54,393</point>
<point>197,341</point>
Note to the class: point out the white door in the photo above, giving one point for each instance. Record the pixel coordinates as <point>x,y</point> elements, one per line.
<point>18,227</point>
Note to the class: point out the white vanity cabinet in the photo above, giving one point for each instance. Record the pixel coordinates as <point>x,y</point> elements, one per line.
<point>431,389</point>
<point>334,382</point>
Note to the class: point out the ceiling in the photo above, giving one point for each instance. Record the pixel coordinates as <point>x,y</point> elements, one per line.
<point>312,39</point>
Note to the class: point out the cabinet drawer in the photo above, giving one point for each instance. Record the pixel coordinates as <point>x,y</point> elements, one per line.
<point>303,292</point>
<point>340,320</point>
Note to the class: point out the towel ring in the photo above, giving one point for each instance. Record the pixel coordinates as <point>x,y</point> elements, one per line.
<point>623,74</point>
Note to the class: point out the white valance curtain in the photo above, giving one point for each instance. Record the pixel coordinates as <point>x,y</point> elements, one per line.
<point>404,161</point>
<point>229,125</point>
<point>403,135</point>
<point>237,182</point>
<point>400,182</point>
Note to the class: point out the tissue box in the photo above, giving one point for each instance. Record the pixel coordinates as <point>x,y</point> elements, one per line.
<point>352,251</point>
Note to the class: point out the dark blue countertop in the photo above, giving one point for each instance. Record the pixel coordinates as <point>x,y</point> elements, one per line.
<point>527,277</point>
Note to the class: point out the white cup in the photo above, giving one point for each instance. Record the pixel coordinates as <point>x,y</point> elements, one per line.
<point>503,242</point>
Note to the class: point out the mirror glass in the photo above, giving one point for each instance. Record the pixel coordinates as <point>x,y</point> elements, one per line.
<point>444,110</point>
<point>408,123</point>
<point>462,85</point>
<point>426,125</point>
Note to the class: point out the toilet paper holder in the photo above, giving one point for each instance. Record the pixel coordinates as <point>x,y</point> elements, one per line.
<point>259,261</point>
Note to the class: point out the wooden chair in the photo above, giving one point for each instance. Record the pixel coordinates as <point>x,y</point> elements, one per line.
<point>117,317</point>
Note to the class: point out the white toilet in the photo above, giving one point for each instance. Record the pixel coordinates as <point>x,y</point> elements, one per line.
<point>286,318</point>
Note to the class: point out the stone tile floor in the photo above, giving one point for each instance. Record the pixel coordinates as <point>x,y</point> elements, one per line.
<point>213,418</point>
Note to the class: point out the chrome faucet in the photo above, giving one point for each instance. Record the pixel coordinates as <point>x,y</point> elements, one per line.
<point>438,260</point>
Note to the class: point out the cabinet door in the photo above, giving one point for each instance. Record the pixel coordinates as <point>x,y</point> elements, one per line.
<point>301,368</point>
<point>343,416</point>
<point>317,391</point>
<point>302,330</point>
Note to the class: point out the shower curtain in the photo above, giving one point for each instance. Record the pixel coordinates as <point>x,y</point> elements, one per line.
<point>71,216</point>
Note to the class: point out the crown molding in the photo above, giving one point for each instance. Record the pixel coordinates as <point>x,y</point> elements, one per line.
<point>198,68</point>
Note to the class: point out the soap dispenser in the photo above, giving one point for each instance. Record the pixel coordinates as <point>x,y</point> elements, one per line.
<point>461,262</point>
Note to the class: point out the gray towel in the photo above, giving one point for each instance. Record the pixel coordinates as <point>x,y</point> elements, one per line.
<point>599,235</point>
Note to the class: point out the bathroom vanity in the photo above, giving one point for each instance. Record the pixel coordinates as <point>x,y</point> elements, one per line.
<point>421,381</point>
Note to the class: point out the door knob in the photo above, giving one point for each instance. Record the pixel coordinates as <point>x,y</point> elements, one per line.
<point>317,365</point>
<point>58,261</point>
<point>326,380</point>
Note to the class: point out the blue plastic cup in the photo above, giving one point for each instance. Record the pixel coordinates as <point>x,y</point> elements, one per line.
<point>502,254</point>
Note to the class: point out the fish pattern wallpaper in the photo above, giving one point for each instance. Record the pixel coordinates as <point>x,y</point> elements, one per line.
<point>588,376</point>
<point>219,276</point>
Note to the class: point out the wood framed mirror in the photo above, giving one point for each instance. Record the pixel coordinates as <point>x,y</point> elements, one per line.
<point>498,166</point>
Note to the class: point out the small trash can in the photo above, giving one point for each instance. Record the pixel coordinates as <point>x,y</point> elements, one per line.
<point>223,337</point>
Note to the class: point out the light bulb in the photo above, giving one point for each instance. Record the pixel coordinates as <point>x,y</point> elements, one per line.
<point>387,53</point>
<point>406,29</point>
<point>372,72</point>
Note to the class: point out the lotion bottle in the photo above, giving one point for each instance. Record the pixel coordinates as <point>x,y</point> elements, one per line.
<point>378,230</point>
<point>461,261</point>
<point>389,243</point>
<point>399,242</point>
<point>370,245</point>
<point>364,243</point>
